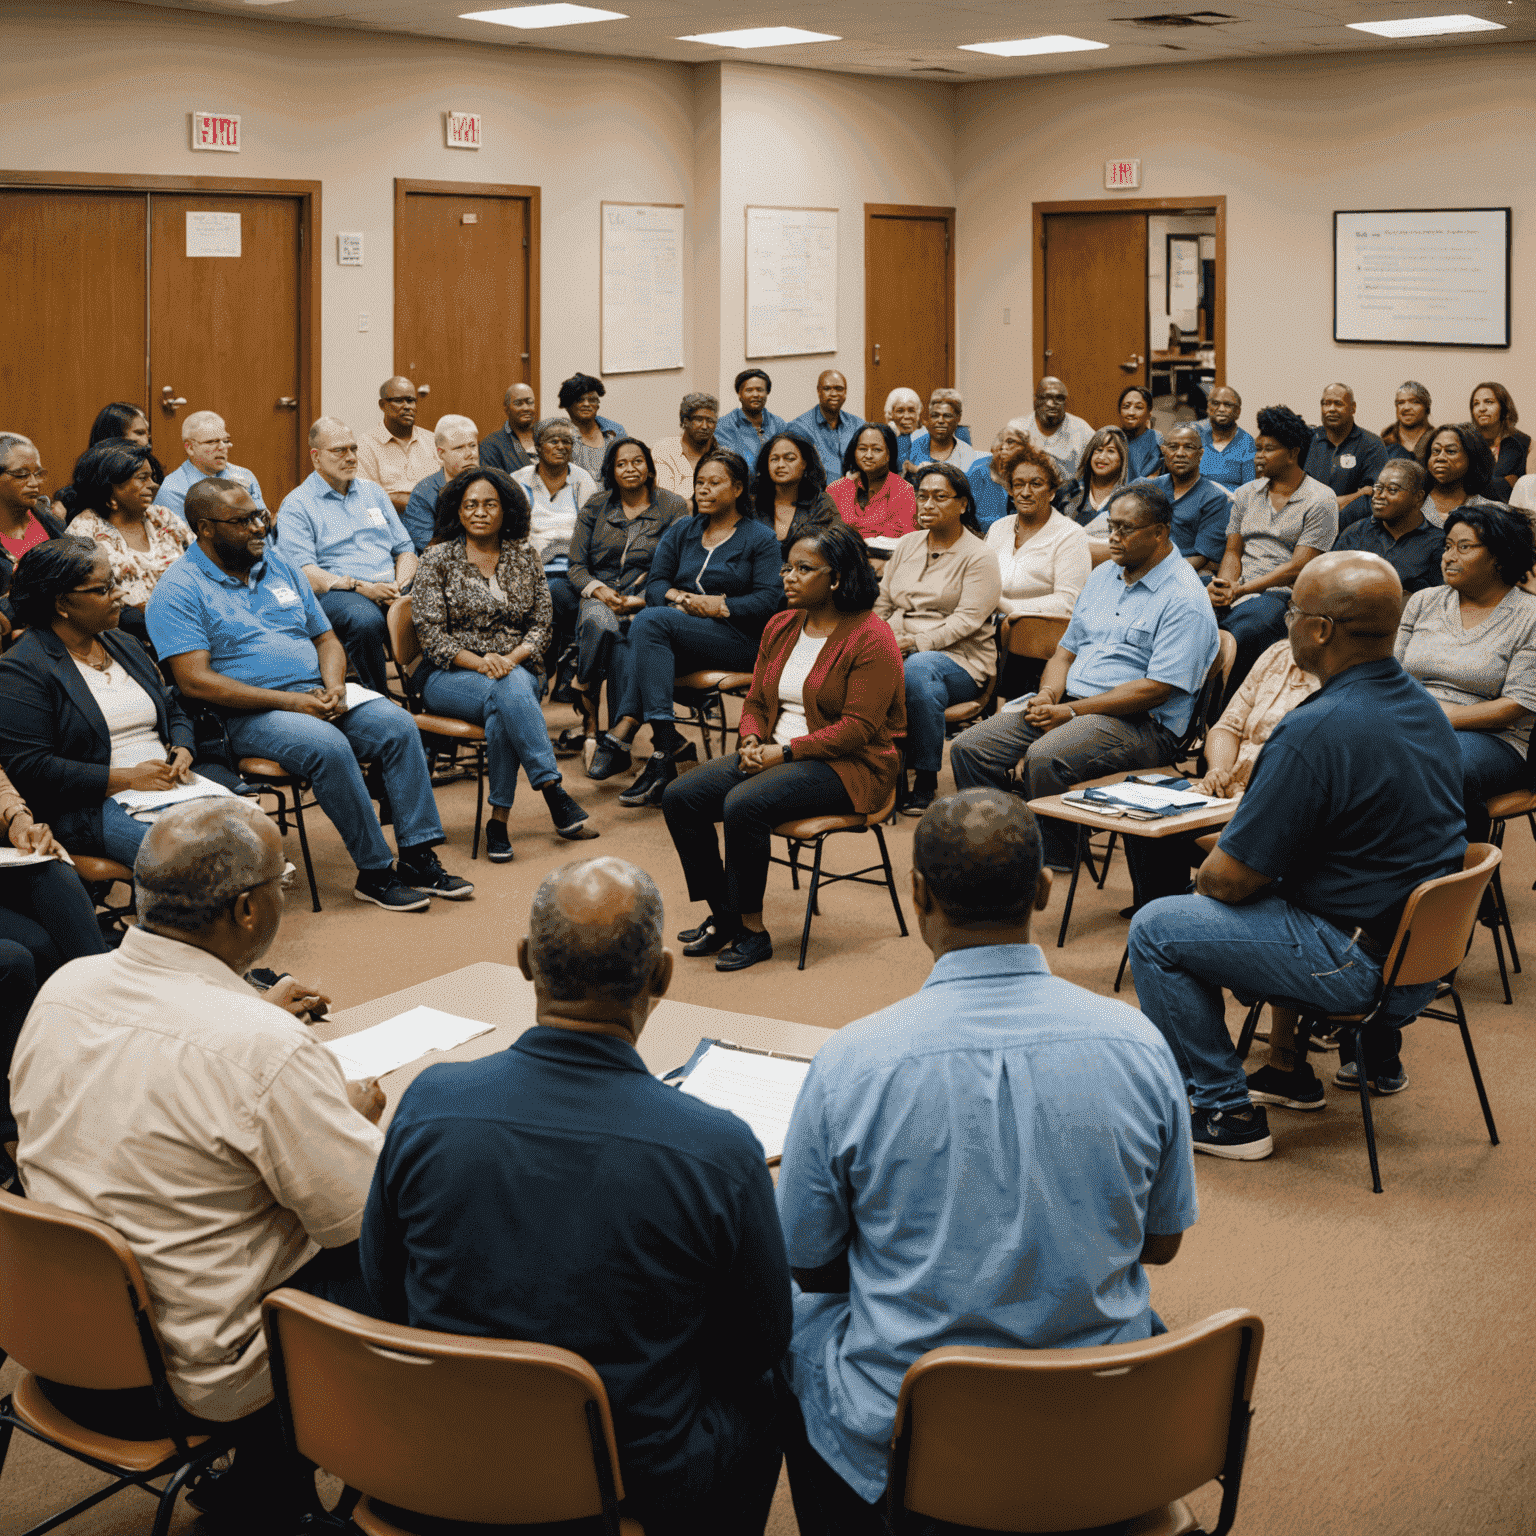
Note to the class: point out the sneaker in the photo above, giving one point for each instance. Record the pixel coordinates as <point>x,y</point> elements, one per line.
<point>384,889</point>
<point>651,784</point>
<point>497,847</point>
<point>1240,1134</point>
<point>1292,1090</point>
<point>1384,1083</point>
<point>569,818</point>
<point>420,869</point>
<point>609,756</point>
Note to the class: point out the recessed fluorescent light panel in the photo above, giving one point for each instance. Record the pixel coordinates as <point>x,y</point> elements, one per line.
<point>531,17</point>
<point>1426,26</point>
<point>760,37</point>
<point>1019,46</point>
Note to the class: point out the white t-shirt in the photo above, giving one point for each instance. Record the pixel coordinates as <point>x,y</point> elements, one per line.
<point>129,713</point>
<point>797,667</point>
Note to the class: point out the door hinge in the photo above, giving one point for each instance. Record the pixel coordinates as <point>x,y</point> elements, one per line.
<point>301,234</point>
<point>525,242</point>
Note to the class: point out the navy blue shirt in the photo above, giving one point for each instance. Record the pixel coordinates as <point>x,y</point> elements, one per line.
<point>1355,463</point>
<point>1146,456</point>
<point>1415,557</point>
<point>1200,516</point>
<point>744,570</point>
<point>501,450</point>
<point>558,1193</point>
<point>1355,799</point>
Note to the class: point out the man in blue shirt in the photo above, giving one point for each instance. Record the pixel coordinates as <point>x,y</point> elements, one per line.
<point>827,426</point>
<point>1201,508</point>
<point>1397,529</point>
<point>207,443</point>
<point>511,447</point>
<point>344,534</point>
<point>455,438</point>
<point>243,633</point>
<point>991,1162</point>
<point>1123,683</point>
<point>751,424</point>
<point>1228,456</point>
<point>1355,799</point>
<point>1344,457</point>
<point>558,1192</point>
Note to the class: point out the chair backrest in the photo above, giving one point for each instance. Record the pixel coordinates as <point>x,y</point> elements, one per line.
<point>1058,1439</point>
<point>1226,656</point>
<point>1208,701</point>
<point>73,1304</point>
<point>1098,552</point>
<point>443,1424</point>
<point>405,643</point>
<point>1030,635</point>
<point>1436,925</point>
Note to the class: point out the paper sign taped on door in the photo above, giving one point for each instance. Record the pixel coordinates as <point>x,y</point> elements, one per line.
<point>213,234</point>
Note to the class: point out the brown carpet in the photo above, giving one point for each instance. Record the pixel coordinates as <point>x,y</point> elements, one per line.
<point>1395,1390</point>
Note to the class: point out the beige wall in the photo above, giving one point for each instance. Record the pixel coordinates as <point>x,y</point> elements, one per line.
<point>1287,141</point>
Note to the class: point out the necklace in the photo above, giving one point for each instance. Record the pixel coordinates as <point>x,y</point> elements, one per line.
<point>104,665</point>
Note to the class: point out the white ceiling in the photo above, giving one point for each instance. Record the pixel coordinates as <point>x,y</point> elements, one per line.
<point>920,38</point>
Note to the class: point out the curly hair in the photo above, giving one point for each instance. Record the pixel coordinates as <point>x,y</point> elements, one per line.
<point>1505,534</point>
<point>1027,453</point>
<point>516,514</point>
<point>576,386</point>
<point>1282,425</point>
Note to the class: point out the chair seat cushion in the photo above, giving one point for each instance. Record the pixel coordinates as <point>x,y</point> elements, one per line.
<point>817,826</point>
<point>703,682</point>
<point>446,725</point>
<point>1506,807</point>
<point>956,713</point>
<point>93,870</point>
<point>262,768</point>
<point>38,1414</point>
<point>735,682</point>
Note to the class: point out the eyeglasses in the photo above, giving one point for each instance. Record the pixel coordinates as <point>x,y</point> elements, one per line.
<point>250,520</point>
<point>101,588</point>
<point>213,442</point>
<point>346,451</point>
<point>1292,613</point>
<point>26,474</point>
<point>940,497</point>
<point>1124,531</point>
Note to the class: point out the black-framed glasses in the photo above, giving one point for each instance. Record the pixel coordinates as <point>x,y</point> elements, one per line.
<point>257,519</point>
<point>98,589</point>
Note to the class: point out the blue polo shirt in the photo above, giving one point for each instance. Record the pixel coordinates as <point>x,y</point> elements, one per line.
<point>1415,557</point>
<point>830,446</point>
<point>420,515</point>
<point>1146,455</point>
<point>261,632</point>
<point>355,535</point>
<point>991,499</point>
<point>1200,516</point>
<point>1231,466</point>
<point>1355,799</point>
<point>173,489</point>
<point>1161,627</point>
<point>991,1154</point>
<point>1355,463</point>
<point>738,434</point>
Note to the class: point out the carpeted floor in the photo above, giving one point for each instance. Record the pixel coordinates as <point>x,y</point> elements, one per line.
<point>1395,1394</point>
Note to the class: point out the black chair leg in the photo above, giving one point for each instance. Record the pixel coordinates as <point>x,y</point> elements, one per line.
<point>1077,865</point>
<point>309,863</point>
<point>1477,1076</point>
<point>474,847</point>
<point>810,902</point>
<point>168,1498</point>
<point>890,878</point>
<point>1125,958</point>
<point>1250,1024</point>
<point>1502,911</point>
<point>1109,854</point>
<point>1498,950</point>
<point>794,864</point>
<point>1363,1068</point>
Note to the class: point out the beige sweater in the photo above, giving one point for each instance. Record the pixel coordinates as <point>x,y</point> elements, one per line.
<point>944,599</point>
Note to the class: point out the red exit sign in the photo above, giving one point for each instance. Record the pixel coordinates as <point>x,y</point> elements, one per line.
<point>216,130</point>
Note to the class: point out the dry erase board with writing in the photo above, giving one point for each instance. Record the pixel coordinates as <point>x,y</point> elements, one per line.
<point>642,297</point>
<point>791,281</point>
<point>1429,277</point>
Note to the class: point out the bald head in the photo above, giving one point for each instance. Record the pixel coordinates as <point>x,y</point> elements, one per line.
<point>979,854</point>
<point>1363,597</point>
<point>594,931</point>
<point>199,859</point>
<point>399,385</point>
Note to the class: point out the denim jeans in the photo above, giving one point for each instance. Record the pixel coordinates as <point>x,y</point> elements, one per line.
<point>566,601</point>
<point>1085,748</point>
<point>1185,949</point>
<point>328,753</point>
<point>934,682</point>
<point>359,625</point>
<point>121,834</point>
<point>663,643</point>
<point>508,708</point>
<point>601,653</point>
<point>1489,767</point>
<point>1255,623</point>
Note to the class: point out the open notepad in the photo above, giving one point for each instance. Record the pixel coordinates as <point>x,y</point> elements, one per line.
<point>759,1086</point>
<point>403,1039</point>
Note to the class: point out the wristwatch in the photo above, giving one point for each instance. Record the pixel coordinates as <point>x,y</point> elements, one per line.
<point>789,752</point>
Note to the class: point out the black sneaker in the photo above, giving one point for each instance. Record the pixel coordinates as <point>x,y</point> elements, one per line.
<point>747,948</point>
<point>497,848</point>
<point>1240,1134</point>
<point>1292,1090</point>
<point>609,756</point>
<point>569,743</point>
<point>420,869</point>
<point>569,818</point>
<point>1384,1083</point>
<point>651,785</point>
<point>384,889</point>
<point>917,801</point>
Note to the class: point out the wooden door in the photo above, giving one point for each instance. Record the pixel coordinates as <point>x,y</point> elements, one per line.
<point>1094,337</point>
<point>74,282</point>
<point>909,302</point>
<point>224,333</point>
<point>466,297</point>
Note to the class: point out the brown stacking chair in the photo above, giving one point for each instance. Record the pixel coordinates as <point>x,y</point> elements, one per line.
<point>442,1424</point>
<point>1503,809</point>
<point>700,698</point>
<point>74,1309</point>
<point>1431,941</point>
<point>100,875</point>
<point>1062,1439</point>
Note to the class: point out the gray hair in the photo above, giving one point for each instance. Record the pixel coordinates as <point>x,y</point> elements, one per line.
<point>324,424</point>
<point>901,395</point>
<point>1021,425</point>
<point>12,440</point>
<point>449,424</point>
<point>951,395</point>
<point>548,425</point>
<point>1418,474</point>
<point>1415,391</point>
<point>198,859</point>
<point>197,421</point>
<point>612,961</point>
<point>697,402</point>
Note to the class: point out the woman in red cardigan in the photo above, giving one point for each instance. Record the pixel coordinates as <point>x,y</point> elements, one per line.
<point>815,741</point>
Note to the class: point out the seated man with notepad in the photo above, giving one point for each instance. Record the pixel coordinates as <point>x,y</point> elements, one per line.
<point>155,1090</point>
<point>557,1192</point>
<point>242,631</point>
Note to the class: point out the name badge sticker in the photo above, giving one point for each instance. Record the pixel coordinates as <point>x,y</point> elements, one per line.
<point>284,594</point>
<point>376,515</point>
<point>1346,461</point>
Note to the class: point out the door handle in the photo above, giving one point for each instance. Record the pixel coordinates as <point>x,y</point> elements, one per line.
<point>1049,353</point>
<point>877,351</point>
<point>287,403</point>
<point>423,389</point>
<point>170,401</point>
<point>1131,364</point>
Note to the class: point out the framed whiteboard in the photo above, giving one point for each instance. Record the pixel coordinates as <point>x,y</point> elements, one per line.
<point>1428,277</point>
<point>641,308</point>
<point>791,281</point>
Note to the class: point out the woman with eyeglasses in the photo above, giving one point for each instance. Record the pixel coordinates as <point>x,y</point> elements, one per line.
<point>84,712</point>
<point>24,522</point>
<point>579,397</point>
<point>940,589</point>
<point>115,505</point>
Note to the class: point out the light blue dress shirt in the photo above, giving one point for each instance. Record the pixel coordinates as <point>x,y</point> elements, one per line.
<point>992,501</point>
<point>992,1153</point>
<point>1160,627</point>
<point>963,455</point>
<point>420,515</point>
<point>355,535</point>
<point>1231,466</point>
<point>261,632</point>
<point>740,436</point>
<point>830,446</point>
<point>173,489</point>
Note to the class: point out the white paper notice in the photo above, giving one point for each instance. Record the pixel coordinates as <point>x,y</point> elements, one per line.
<point>760,1089</point>
<point>357,694</point>
<point>403,1039</point>
<point>213,234</point>
<point>14,858</point>
<point>196,788</point>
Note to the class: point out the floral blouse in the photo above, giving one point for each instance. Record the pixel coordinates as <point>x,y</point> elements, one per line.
<point>455,608</point>
<point>137,570</point>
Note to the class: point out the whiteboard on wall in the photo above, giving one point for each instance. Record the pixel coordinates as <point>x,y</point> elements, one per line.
<point>1429,277</point>
<point>642,296</point>
<point>791,281</point>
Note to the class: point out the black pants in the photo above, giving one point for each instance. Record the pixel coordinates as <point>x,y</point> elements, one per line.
<point>751,806</point>
<point>1160,866</point>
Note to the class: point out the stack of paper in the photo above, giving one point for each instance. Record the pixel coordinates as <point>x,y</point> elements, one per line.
<point>1145,797</point>
<point>136,801</point>
<point>760,1088</point>
<point>14,858</point>
<point>405,1038</point>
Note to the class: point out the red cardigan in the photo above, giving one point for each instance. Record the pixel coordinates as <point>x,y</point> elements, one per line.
<point>855,698</point>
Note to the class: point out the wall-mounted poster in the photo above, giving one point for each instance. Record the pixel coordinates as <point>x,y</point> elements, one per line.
<point>642,296</point>
<point>791,281</point>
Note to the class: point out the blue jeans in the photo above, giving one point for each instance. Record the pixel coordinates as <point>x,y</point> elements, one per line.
<point>121,834</point>
<point>508,708</point>
<point>1185,949</point>
<point>359,625</point>
<point>1255,623</point>
<point>328,754</point>
<point>1489,767</point>
<point>666,642</point>
<point>934,682</point>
